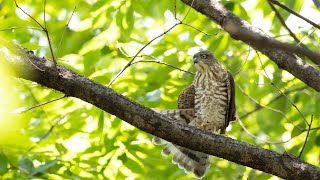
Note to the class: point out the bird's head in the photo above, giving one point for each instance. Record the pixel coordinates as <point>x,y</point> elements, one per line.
<point>203,60</point>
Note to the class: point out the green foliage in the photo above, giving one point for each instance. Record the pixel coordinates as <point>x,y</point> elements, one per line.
<point>3,164</point>
<point>71,139</point>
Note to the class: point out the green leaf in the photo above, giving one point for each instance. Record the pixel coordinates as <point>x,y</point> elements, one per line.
<point>230,5</point>
<point>123,158</point>
<point>61,148</point>
<point>101,122</point>
<point>128,21</point>
<point>317,140</point>
<point>26,165</point>
<point>133,163</point>
<point>31,46</point>
<point>296,131</point>
<point>3,164</point>
<point>43,168</point>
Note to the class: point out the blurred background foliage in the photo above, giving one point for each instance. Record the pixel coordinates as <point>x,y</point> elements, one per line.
<point>71,139</point>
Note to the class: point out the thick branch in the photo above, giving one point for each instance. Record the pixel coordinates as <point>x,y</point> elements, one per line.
<point>73,84</point>
<point>281,53</point>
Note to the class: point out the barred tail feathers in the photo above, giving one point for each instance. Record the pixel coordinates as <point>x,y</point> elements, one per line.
<point>188,159</point>
<point>158,141</point>
<point>182,115</point>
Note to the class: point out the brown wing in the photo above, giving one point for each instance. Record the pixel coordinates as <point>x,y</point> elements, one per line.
<point>186,98</point>
<point>231,108</point>
<point>186,101</point>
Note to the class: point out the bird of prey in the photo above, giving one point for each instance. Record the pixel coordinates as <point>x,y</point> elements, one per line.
<point>208,103</point>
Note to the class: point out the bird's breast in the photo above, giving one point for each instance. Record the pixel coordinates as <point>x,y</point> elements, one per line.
<point>210,101</point>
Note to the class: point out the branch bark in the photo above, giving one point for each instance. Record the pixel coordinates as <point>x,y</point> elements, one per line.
<point>281,53</point>
<point>42,71</point>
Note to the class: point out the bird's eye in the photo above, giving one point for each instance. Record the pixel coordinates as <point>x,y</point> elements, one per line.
<point>203,56</point>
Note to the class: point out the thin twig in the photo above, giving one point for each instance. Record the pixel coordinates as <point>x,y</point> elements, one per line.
<point>304,38</point>
<point>285,25</point>
<point>21,27</point>
<point>46,134</point>
<point>305,142</point>
<point>35,65</point>
<point>293,12</point>
<point>316,128</point>
<point>175,9</point>
<point>64,30</point>
<point>128,56</point>
<point>51,50</point>
<point>201,31</point>
<point>166,64</point>
<point>240,69</point>
<point>44,29</point>
<point>152,61</point>
<point>270,108</point>
<point>188,11</point>
<point>272,100</point>
<point>292,103</point>
<point>28,15</point>
<point>135,56</point>
<point>290,32</point>
<point>263,140</point>
<point>42,104</point>
<point>47,33</point>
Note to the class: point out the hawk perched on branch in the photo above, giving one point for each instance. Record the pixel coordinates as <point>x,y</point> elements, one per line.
<point>208,103</point>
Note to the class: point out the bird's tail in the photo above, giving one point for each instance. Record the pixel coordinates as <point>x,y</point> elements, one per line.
<point>181,115</point>
<point>187,159</point>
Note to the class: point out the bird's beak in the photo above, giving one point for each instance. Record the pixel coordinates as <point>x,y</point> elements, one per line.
<point>195,60</point>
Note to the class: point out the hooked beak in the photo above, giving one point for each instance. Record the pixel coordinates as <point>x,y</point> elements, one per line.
<point>195,60</point>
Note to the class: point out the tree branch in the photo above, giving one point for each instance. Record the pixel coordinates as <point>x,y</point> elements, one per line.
<point>293,12</point>
<point>75,85</point>
<point>281,53</point>
<point>283,22</point>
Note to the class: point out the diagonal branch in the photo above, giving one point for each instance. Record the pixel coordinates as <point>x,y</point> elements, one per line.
<point>285,25</point>
<point>299,42</point>
<point>281,53</point>
<point>293,12</point>
<point>75,85</point>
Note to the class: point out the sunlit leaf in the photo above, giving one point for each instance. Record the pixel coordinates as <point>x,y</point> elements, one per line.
<point>60,147</point>
<point>296,131</point>
<point>26,165</point>
<point>43,168</point>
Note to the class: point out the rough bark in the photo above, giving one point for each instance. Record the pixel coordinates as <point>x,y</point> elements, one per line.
<point>280,53</point>
<point>72,84</point>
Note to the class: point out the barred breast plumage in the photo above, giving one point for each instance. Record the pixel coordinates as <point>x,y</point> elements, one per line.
<point>211,99</point>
